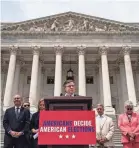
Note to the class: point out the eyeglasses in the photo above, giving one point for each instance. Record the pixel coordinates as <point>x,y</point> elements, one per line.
<point>16,98</point>
<point>70,85</point>
<point>129,108</point>
<point>99,108</point>
<point>26,105</point>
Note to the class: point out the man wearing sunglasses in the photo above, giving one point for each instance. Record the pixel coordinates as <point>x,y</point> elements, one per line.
<point>128,123</point>
<point>69,87</point>
<point>26,105</point>
<point>28,136</point>
<point>16,124</point>
<point>104,129</point>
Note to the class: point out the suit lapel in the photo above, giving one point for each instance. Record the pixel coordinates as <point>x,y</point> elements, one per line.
<point>132,118</point>
<point>13,113</point>
<point>103,122</point>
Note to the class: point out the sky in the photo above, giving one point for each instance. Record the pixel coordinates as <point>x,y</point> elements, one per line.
<point>21,10</point>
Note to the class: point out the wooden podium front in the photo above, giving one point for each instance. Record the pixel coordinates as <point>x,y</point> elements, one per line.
<point>68,103</point>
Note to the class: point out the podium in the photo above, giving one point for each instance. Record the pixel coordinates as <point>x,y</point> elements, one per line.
<point>68,103</point>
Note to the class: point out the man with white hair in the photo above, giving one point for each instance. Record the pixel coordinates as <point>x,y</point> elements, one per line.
<point>128,123</point>
<point>104,129</point>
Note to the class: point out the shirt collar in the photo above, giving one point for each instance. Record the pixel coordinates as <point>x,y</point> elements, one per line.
<point>102,116</point>
<point>69,95</point>
<point>17,107</point>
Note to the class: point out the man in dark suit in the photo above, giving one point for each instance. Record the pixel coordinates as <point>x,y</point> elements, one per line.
<point>26,105</point>
<point>16,124</point>
<point>69,87</point>
<point>28,135</point>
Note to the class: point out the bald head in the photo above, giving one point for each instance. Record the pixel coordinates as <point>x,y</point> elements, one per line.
<point>17,100</point>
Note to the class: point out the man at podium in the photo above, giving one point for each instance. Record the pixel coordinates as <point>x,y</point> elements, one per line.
<point>69,87</point>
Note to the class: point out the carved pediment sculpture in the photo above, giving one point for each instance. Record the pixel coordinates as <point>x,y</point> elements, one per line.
<point>69,25</point>
<point>36,28</point>
<point>19,28</point>
<point>55,25</point>
<point>70,22</point>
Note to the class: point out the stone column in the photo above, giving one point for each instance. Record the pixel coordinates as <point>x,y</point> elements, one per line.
<point>81,71</point>
<point>137,79</point>
<point>34,80</point>
<point>2,81</point>
<point>44,80</point>
<point>40,78</point>
<point>3,75</point>
<point>17,77</point>
<point>129,75</point>
<point>58,71</point>
<point>98,62</point>
<point>8,101</point>
<point>106,81</point>
<point>96,83</point>
<point>123,85</point>
<point>22,81</point>
<point>3,78</point>
<point>118,87</point>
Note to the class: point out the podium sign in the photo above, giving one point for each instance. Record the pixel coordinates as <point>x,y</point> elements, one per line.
<point>67,128</point>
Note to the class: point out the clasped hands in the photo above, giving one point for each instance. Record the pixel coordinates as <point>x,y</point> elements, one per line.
<point>102,140</point>
<point>15,134</point>
<point>35,131</point>
<point>131,136</point>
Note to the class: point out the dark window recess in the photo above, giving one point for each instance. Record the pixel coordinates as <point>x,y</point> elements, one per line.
<point>89,80</point>
<point>111,80</point>
<point>28,79</point>
<point>50,79</point>
<point>114,106</point>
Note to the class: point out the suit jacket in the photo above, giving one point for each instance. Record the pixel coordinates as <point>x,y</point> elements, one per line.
<point>10,122</point>
<point>35,121</point>
<point>129,126</point>
<point>105,128</point>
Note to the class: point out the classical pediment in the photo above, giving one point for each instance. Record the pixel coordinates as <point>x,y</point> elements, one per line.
<point>69,22</point>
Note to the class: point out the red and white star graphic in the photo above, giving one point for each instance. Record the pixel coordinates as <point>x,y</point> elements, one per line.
<point>60,136</point>
<point>67,136</point>
<point>73,136</point>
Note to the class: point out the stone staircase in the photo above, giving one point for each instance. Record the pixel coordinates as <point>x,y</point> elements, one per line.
<point>117,133</point>
<point>117,139</point>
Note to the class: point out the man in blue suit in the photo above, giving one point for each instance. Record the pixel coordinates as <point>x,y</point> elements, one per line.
<point>16,124</point>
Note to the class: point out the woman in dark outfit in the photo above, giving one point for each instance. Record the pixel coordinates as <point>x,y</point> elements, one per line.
<point>35,123</point>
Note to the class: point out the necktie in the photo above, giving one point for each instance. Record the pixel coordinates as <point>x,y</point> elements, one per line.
<point>17,112</point>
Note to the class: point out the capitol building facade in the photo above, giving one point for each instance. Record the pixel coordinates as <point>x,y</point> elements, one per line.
<point>102,55</point>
